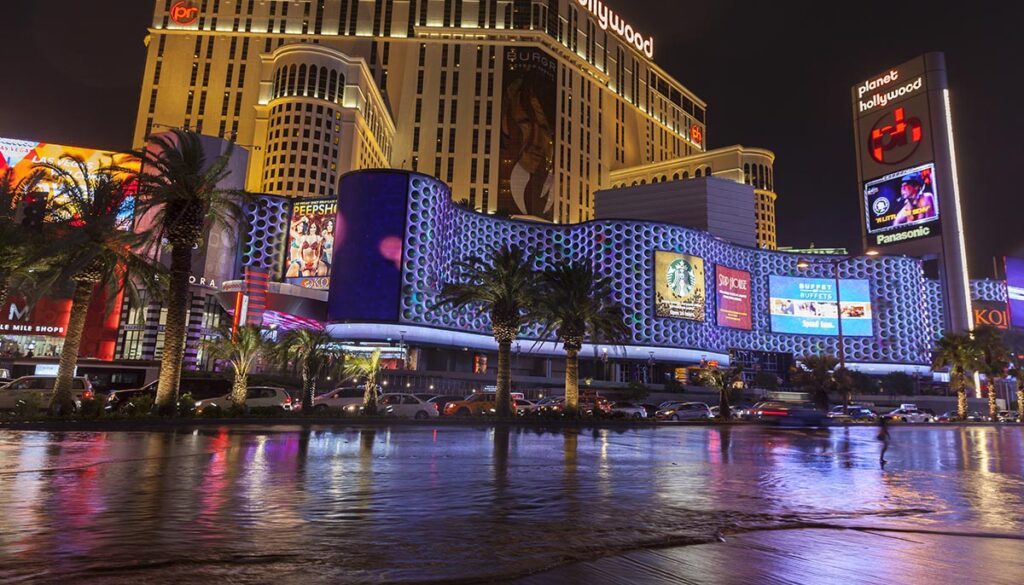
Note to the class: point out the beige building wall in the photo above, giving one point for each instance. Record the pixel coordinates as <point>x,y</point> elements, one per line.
<point>438,69</point>
<point>751,166</point>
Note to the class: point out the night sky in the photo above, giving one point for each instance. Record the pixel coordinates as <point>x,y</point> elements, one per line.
<point>775,75</point>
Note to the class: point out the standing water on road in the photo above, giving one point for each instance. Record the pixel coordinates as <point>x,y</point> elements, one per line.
<point>419,503</point>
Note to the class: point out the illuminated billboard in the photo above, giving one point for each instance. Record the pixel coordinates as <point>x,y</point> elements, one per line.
<point>808,306</point>
<point>990,314</point>
<point>732,298</point>
<point>311,243</point>
<point>903,205</point>
<point>678,286</point>
<point>1015,290</point>
<point>529,88</point>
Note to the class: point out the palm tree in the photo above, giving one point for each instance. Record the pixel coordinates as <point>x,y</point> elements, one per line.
<point>575,304</point>
<point>504,285</point>
<point>723,380</point>
<point>369,367</point>
<point>241,348</point>
<point>960,354</point>
<point>815,375</point>
<point>179,189</point>
<point>995,360</point>
<point>20,243</point>
<point>1017,371</point>
<point>85,222</point>
<point>314,354</point>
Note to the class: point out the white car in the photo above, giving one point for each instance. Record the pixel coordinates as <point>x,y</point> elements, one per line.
<point>40,389</point>
<point>255,397</point>
<point>678,411</point>
<point>909,416</point>
<point>628,410</point>
<point>349,399</point>
<point>524,406</point>
<point>406,406</point>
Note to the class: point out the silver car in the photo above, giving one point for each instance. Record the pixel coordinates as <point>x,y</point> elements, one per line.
<point>678,411</point>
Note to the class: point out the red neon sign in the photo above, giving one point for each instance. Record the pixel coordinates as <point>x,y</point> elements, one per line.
<point>902,133</point>
<point>695,134</point>
<point>184,13</point>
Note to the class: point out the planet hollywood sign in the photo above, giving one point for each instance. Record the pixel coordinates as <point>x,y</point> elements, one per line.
<point>607,19</point>
<point>884,82</point>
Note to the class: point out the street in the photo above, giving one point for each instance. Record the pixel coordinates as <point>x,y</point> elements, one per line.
<point>479,504</point>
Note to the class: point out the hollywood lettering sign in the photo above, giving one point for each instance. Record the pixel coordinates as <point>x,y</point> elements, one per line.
<point>184,13</point>
<point>607,19</point>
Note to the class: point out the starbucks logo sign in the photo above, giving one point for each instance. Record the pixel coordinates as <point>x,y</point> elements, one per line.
<point>681,278</point>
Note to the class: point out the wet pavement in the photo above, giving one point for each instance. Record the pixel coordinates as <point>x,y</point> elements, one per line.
<point>479,504</point>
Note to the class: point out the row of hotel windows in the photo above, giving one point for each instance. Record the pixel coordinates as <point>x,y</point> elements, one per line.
<point>320,83</point>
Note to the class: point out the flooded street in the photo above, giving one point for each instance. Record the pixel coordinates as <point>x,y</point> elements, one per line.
<point>477,504</point>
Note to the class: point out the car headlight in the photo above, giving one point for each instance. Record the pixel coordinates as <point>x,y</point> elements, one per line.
<point>198,402</point>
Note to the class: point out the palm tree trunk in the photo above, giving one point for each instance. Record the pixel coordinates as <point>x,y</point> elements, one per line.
<point>992,409</point>
<point>724,410</point>
<point>176,327</point>
<point>239,388</point>
<point>572,381</point>
<point>307,387</point>
<point>62,401</point>
<point>961,401</point>
<point>503,396</point>
<point>1020,404</point>
<point>370,399</point>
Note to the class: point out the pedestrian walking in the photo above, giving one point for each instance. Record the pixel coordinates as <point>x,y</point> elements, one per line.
<point>883,436</point>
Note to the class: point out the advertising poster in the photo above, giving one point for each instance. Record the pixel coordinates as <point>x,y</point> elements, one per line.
<point>808,306</point>
<point>678,286</point>
<point>529,94</point>
<point>732,298</point>
<point>24,155</point>
<point>902,205</point>
<point>311,243</point>
<point>1015,290</point>
<point>990,314</point>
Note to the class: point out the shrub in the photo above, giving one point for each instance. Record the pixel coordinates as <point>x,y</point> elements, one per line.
<point>140,406</point>
<point>186,407</point>
<point>29,407</point>
<point>91,408</point>
<point>637,391</point>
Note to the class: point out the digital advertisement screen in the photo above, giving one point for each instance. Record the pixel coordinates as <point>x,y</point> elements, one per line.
<point>311,243</point>
<point>903,205</point>
<point>529,89</point>
<point>678,286</point>
<point>1015,290</point>
<point>808,306</point>
<point>732,298</point>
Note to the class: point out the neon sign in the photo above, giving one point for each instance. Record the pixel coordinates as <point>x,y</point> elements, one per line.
<point>903,135</point>
<point>696,135</point>
<point>607,19</point>
<point>184,13</point>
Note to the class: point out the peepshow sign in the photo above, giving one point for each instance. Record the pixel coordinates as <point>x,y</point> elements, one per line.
<point>732,298</point>
<point>1015,290</point>
<point>679,291</point>
<point>311,243</point>
<point>808,306</point>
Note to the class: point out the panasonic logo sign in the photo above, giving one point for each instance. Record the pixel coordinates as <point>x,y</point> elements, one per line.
<point>913,234</point>
<point>607,19</point>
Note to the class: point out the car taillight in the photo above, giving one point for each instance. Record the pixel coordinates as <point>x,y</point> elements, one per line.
<point>774,412</point>
<point>87,395</point>
<point>287,399</point>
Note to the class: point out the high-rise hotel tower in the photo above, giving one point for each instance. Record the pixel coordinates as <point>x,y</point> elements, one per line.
<point>524,107</point>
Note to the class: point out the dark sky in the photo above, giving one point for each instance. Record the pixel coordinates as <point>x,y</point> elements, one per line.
<point>775,75</point>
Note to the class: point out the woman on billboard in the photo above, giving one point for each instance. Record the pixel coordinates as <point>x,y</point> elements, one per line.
<point>306,254</point>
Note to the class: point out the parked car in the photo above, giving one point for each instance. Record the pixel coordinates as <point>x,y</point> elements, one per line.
<point>524,407</point>
<point>677,411</point>
<point>909,415</point>
<point>255,397</point>
<point>199,388</point>
<point>406,406</point>
<point>442,401</point>
<point>478,403</point>
<point>40,389</point>
<point>591,404</point>
<point>347,398</point>
<point>1008,416</point>
<point>790,414</point>
<point>550,406</point>
<point>854,412</point>
<point>626,409</point>
<point>650,409</point>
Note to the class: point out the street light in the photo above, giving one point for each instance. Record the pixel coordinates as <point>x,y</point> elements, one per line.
<point>804,264</point>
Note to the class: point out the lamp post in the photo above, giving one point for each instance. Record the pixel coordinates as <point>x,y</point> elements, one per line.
<point>401,348</point>
<point>804,264</point>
